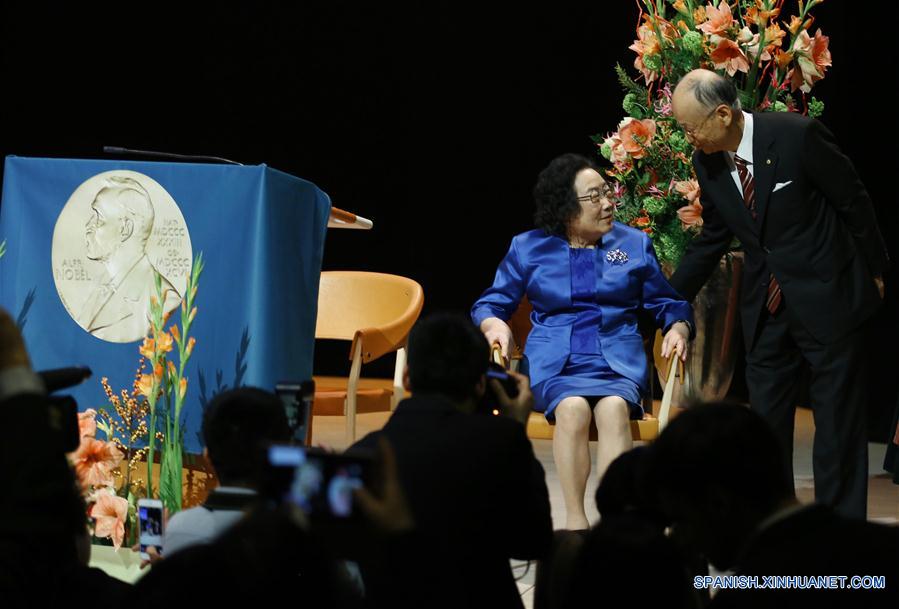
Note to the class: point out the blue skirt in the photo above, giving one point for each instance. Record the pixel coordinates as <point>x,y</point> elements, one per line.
<point>588,376</point>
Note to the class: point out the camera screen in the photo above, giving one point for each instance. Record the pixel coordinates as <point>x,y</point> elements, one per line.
<point>150,526</point>
<point>321,484</point>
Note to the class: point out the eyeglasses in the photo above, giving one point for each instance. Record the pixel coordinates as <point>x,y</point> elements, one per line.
<point>692,130</point>
<point>596,196</point>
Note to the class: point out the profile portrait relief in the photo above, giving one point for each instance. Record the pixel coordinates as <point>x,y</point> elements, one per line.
<point>107,283</point>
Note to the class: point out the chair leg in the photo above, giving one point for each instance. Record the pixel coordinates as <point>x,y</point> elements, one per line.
<point>352,387</point>
<point>398,390</point>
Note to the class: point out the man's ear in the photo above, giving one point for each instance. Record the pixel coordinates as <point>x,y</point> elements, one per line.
<point>726,113</point>
<point>127,229</point>
<point>406,385</point>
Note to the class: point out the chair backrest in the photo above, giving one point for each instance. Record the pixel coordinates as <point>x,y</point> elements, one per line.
<point>375,308</point>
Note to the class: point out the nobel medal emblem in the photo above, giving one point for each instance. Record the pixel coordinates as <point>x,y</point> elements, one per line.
<point>116,231</point>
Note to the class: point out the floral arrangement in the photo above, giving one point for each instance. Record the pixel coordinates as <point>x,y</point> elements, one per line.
<point>105,468</point>
<point>110,492</point>
<point>774,64</point>
<point>166,386</point>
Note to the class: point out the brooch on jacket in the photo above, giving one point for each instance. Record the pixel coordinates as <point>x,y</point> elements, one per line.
<point>616,256</point>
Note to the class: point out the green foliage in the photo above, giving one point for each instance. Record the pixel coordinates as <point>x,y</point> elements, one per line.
<point>628,83</point>
<point>606,151</point>
<point>655,205</point>
<point>692,43</point>
<point>632,104</point>
<point>815,108</point>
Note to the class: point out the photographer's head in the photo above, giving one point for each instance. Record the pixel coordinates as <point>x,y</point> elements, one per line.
<point>237,426</point>
<point>448,356</point>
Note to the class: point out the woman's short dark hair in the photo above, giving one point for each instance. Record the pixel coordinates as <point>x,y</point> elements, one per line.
<point>555,195</point>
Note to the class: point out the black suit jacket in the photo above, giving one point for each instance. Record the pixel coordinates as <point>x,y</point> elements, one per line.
<point>479,498</point>
<point>817,234</point>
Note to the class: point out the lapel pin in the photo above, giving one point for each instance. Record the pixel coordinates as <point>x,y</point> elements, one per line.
<point>616,256</point>
<point>768,161</point>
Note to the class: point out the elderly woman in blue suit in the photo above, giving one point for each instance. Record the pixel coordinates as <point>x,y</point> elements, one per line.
<point>586,278</point>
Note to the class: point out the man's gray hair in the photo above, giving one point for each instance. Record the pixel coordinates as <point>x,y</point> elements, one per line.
<point>713,91</point>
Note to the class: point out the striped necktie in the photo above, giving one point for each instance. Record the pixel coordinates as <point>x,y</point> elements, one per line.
<point>775,298</point>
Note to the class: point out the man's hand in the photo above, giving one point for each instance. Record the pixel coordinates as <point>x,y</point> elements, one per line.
<point>676,340</point>
<point>520,408</point>
<point>155,556</point>
<point>12,347</point>
<point>878,281</point>
<point>498,331</point>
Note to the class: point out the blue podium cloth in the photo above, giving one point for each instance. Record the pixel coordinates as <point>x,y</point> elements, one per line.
<point>261,233</point>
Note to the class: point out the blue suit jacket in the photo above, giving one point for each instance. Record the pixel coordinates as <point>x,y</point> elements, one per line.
<point>538,265</point>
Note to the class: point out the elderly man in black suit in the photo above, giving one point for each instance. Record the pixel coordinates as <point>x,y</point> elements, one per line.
<point>814,262</point>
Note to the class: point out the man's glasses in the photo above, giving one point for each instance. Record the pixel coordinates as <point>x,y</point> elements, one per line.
<point>692,130</point>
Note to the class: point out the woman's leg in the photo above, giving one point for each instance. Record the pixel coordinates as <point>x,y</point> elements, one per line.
<point>613,431</point>
<point>571,451</point>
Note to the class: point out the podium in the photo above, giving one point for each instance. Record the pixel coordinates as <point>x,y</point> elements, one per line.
<point>83,236</point>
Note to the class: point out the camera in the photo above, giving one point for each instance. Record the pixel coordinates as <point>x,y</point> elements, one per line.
<point>319,482</point>
<point>62,409</point>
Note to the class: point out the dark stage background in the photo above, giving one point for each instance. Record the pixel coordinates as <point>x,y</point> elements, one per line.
<point>434,122</point>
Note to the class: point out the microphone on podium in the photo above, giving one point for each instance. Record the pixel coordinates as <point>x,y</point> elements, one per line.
<point>171,156</point>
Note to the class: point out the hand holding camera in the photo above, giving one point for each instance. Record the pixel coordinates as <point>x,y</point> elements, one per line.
<point>512,392</point>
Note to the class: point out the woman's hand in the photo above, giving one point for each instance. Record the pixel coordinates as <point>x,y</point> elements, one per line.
<point>676,340</point>
<point>498,331</point>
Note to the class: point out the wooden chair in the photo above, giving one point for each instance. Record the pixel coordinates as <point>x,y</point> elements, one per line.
<point>374,311</point>
<point>644,430</point>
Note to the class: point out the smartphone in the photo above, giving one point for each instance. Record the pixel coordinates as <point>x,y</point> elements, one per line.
<point>297,401</point>
<point>149,513</point>
<point>319,482</point>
